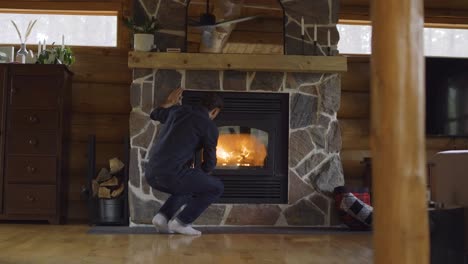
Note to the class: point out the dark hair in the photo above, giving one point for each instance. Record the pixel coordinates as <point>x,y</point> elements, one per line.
<point>211,100</point>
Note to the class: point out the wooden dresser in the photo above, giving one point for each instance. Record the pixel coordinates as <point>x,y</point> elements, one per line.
<point>34,122</point>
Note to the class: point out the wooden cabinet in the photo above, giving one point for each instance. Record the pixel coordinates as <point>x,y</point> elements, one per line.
<point>34,121</point>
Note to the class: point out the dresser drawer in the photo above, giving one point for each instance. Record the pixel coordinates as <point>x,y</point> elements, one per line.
<point>34,91</point>
<point>27,143</point>
<point>30,199</point>
<point>32,120</point>
<point>31,169</point>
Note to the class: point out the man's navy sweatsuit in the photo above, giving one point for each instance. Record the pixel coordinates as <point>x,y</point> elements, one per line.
<point>186,130</point>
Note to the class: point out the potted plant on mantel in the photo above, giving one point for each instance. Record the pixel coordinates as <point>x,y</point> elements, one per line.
<point>143,34</point>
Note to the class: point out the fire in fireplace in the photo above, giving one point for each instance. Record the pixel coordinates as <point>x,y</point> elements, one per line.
<point>252,147</point>
<point>241,147</point>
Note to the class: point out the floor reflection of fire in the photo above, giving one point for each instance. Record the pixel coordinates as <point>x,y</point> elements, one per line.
<point>240,150</point>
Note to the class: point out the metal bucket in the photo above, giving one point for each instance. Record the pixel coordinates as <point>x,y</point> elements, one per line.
<point>110,210</point>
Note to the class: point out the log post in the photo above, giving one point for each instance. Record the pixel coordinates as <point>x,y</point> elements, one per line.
<point>398,133</point>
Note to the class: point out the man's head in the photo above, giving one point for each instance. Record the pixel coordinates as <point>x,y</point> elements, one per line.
<point>214,103</point>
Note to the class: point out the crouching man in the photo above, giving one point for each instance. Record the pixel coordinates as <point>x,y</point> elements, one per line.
<point>186,130</point>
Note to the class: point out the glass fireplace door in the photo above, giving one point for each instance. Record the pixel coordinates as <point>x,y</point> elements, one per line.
<point>241,147</point>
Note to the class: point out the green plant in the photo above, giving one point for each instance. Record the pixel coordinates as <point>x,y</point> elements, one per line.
<point>56,55</point>
<point>149,26</point>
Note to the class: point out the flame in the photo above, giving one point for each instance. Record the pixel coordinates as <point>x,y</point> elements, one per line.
<point>241,150</point>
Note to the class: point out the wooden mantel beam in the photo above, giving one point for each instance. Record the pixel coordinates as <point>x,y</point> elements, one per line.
<point>241,62</point>
<point>398,133</point>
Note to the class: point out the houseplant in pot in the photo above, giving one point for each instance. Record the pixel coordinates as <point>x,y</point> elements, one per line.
<point>56,55</point>
<point>143,33</point>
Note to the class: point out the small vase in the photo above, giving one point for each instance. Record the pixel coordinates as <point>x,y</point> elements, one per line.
<point>22,53</point>
<point>143,42</point>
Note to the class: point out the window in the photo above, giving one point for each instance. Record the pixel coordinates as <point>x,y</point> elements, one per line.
<point>443,42</point>
<point>86,29</point>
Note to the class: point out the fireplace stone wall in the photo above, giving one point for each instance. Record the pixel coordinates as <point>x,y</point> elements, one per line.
<point>314,139</point>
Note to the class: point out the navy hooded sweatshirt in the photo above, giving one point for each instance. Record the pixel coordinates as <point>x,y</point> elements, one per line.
<point>186,130</point>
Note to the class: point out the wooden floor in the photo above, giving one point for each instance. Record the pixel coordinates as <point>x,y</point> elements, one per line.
<point>21,244</point>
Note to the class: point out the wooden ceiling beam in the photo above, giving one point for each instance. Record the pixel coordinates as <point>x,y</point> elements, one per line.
<point>432,14</point>
<point>194,10</point>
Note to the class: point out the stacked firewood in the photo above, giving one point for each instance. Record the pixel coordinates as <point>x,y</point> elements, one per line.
<point>108,184</point>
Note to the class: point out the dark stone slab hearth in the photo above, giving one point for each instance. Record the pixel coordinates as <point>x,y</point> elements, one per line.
<point>212,216</point>
<point>321,202</point>
<point>202,80</point>
<point>304,213</point>
<point>253,215</point>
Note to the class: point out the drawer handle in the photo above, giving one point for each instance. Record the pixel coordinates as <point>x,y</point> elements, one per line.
<point>33,119</point>
<point>31,198</point>
<point>32,142</point>
<point>14,90</point>
<point>31,169</point>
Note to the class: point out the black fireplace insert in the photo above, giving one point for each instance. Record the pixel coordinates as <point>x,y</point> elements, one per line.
<point>252,148</point>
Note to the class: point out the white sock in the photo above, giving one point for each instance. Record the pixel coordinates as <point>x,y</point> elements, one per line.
<point>160,222</point>
<point>177,227</point>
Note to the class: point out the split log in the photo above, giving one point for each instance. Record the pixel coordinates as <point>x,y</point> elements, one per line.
<point>115,165</point>
<point>95,187</point>
<point>110,183</point>
<point>115,193</point>
<point>104,192</point>
<point>103,175</point>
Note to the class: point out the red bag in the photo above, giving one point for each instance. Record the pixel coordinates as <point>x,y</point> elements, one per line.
<point>362,194</point>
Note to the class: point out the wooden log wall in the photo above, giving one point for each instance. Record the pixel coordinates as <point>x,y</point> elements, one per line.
<point>100,106</point>
<point>100,96</point>
<point>354,117</point>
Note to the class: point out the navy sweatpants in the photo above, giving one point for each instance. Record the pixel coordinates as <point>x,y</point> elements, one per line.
<point>194,188</point>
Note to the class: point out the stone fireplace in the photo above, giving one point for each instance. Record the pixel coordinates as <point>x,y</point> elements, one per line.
<point>314,137</point>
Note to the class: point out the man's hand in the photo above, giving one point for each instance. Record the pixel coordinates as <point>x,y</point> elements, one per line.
<point>175,97</point>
